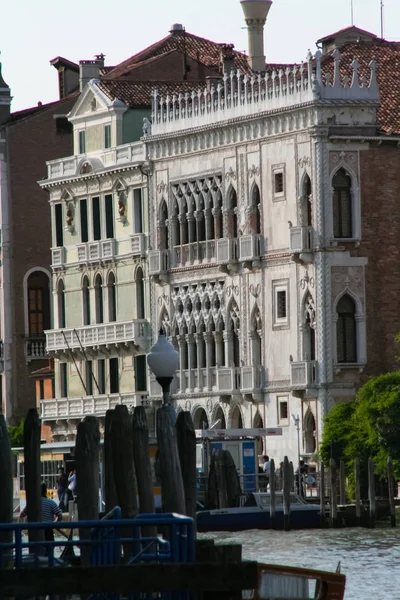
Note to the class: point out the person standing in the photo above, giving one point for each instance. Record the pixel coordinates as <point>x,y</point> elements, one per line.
<point>266,470</point>
<point>50,513</point>
<point>72,485</point>
<point>62,484</point>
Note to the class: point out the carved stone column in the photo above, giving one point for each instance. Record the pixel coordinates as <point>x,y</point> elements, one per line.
<point>209,340</point>
<point>219,349</point>
<point>184,229</point>
<point>217,214</point>
<point>228,227</point>
<point>201,362</point>
<point>228,341</point>
<point>251,220</point>
<point>191,360</point>
<point>192,237</point>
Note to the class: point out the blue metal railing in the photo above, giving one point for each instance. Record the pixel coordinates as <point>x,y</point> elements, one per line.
<point>106,538</point>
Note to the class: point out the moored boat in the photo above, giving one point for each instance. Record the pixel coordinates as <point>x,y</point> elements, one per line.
<point>254,512</point>
<point>294,583</point>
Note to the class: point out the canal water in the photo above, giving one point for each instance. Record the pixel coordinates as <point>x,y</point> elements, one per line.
<point>370,559</point>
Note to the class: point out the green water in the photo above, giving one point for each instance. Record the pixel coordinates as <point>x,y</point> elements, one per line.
<point>370,559</point>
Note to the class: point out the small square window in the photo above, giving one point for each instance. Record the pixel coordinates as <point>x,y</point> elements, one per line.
<point>280,303</point>
<point>283,410</point>
<point>107,136</point>
<point>82,142</point>
<point>278,182</point>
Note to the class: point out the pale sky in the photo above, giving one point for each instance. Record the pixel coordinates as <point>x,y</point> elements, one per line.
<point>34,32</point>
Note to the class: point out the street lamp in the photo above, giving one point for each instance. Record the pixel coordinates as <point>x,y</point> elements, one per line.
<point>163,360</point>
<point>296,423</point>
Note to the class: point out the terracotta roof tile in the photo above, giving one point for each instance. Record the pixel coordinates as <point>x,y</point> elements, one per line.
<point>197,48</point>
<point>387,57</point>
<point>137,94</point>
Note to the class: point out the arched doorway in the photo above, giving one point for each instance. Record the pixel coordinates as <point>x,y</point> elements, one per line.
<point>200,420</point>
<point>219,416</point>
<point>309,433</point>
<point>236,418</point>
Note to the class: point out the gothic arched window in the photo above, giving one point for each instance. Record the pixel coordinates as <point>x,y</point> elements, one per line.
<point>163,225</point>
<point>342,205</point>
<point>86,301</point>
<point>61,304</point>
<point>346,333</point>
<point>256,205</point>
<point>112,300</point>
<point>140,309</point>
<point>98,294</point>
<point>307,199</point>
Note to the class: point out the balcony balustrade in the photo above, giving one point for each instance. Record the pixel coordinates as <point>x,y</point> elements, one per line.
<point>58,257</point>
<point>95,251</point>
<point>303,374</point>
<point>138,244</point>
<point>250,379</point>
<point>194,253</point>
<point>101,335</point>
<point>300,239</point>
<point>122,155</point>
<point>249,247</point>
<point>76,408</point>
<point>35,348</point>
<point>158,262</point>
<point>226,250</point>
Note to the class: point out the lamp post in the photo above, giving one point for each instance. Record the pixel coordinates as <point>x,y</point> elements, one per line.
<point>296,423</point>
<point>163,360</point>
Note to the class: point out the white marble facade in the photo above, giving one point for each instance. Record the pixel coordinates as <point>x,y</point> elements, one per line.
<point>250,203</point>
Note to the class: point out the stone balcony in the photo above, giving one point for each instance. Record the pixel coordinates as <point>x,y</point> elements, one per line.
<point>139,244</point>
<point>58,257</point>
<point>196,253</point>
<point>93,252</point>
<point>35,348</point>
<point>222,380</point>
<point>303,376</point>
<point>301,243</point>
<point>123,155</point>
<point>103,337</point>
<point>77,408</point>
<point>158,264</point>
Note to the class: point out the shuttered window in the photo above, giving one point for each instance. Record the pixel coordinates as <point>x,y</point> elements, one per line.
<point>346,334</point>
<point>342,205</point>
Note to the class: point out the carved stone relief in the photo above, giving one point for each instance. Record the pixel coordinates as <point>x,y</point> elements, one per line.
<point>347,278</point>
<point>344,159</point>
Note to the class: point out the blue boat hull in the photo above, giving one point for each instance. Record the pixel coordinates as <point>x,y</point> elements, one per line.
<point>228,521</point>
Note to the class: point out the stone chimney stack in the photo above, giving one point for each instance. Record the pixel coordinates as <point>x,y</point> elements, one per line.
<point>90,69</point>
<point>255,15</point>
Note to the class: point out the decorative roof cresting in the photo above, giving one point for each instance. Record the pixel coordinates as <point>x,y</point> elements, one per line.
<point>239,95</point>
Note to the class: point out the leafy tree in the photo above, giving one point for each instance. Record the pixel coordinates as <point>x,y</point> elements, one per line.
<point>367,427</point>
<point>16,433</point>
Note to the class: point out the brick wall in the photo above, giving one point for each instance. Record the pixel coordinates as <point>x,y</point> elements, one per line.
<point>31,142</point>
<point>380,198</point>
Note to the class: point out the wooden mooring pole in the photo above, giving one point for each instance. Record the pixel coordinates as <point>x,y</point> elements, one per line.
<point>342,483</point>
<point>186,439</point>
<point>391,492</point>
<point>371,493</point>
<point>6,494</point>
<point>333,497</point>
<point>272,502</point>
<point>33,472</point>
<point>357,490</point>
<point>287,488</point>
<point>140,440</point>
<point>170,468</point>
<point>322,492</point>
<point>108,471</point>
<point>122,456</point>
<point>87,465</point>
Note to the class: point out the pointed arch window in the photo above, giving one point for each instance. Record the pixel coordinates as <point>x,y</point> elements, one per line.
<point>86,301</point>
<point>163,226</point>
<point>61,304</point>
<point>232,205</point>
<point>98,294</point>
<point>342,205</point>
<point>139,294</point>
<point>346,332</point>
<point>38,303</point>
<point>307,200</point>
<point>310,341</point>
<point>256,205</point>
<point>201,229</point>
<point>112,299</point>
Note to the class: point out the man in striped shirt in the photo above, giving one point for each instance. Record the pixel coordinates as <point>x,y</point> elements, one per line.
<point>50,513</point>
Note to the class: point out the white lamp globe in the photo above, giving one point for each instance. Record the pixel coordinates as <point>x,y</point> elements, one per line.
<point>163,359</point>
